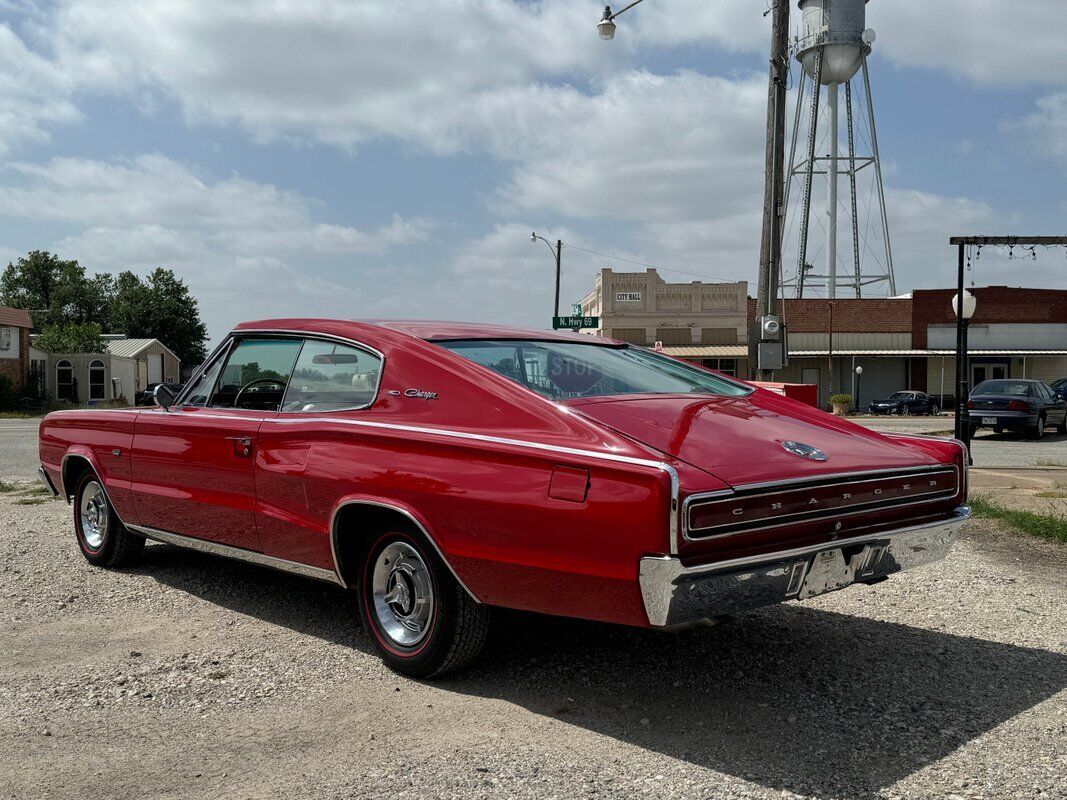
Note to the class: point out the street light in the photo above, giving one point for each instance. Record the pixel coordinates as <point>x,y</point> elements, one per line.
<point>963,311</point>
<point>556,252</point>
<point>856,399</point>
<point>606,26</point>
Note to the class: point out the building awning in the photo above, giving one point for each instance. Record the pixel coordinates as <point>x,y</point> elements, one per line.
<point>741,351</point>
<point>923,353</point>
<point>707,351</point>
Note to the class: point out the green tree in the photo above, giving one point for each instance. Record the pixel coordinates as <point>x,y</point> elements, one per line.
<point>159,307</point>
<point>74,337</point>
<point>54,290</point>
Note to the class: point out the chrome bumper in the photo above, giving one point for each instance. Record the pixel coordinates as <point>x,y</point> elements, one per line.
<point>675,594</point>
<point>43,477</point>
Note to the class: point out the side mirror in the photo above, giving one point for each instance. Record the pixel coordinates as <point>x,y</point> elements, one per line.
<point>163,396</point>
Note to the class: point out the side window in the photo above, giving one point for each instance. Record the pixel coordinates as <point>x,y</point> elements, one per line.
<point>330,377</point>
<point>201,390</point>
<point>255,374</point>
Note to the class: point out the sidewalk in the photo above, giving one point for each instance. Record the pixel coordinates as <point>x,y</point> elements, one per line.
<point>1037,490</point>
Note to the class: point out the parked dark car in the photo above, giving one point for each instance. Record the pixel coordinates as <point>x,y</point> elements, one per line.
<point>1060,387</point>
<point>147,397</point>
<point>906,403</point>
<point>1016,404</point>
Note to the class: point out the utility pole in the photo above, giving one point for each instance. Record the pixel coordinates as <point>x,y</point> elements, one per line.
<point>559,255</point>
<point>774,182</point>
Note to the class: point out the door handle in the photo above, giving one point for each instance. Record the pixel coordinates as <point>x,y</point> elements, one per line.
<point>242,445</point>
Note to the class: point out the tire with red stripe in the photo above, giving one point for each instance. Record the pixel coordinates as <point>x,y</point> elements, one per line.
<point>102,538</point>
<point>419,618</point>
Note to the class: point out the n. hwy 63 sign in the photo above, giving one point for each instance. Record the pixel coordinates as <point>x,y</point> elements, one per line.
<point>575,323</point>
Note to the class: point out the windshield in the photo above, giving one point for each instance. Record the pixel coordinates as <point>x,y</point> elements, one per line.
<point>1017,388</point>
<point>899,396</point>
<point>561,370</point>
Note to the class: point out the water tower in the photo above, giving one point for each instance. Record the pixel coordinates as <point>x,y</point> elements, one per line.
<point>832,47</point>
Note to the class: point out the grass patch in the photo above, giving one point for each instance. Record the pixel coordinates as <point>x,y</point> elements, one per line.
<point>1042,462</point>
<point>27,491</point>
<point>7,487</point>
<point>31,501</point>
<point>1053,495</point>
<point>1045,526</point>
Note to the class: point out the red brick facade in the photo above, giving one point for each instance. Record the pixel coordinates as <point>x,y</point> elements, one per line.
<point>1003,304</point>
<point>17,370</point>
<point>874,315</point>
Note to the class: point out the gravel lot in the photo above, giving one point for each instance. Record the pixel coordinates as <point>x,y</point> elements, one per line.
<point>192,676</point>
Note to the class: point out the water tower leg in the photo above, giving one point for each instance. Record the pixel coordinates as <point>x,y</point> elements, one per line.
<point>878,178</point>
<point>805,217</point>
<point>793,146</point>
<point>831,197</point>
<point>852,184</point>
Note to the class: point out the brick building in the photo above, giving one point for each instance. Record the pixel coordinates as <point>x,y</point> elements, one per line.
<point>901,343</point>
<point>15,327</point>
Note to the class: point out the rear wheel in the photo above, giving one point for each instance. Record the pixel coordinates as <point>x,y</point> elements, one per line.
<point>935,410</point>
<point>102,538</point>
<point>421,621</point>
<point>1038,431</point>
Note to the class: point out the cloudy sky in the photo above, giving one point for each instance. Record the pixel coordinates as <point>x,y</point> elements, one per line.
<point>375,158</point>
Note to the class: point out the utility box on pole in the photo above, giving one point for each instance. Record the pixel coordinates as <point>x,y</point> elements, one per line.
<point>767,344</point>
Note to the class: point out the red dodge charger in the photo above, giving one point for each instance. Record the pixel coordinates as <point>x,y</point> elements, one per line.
<point>439,469</point>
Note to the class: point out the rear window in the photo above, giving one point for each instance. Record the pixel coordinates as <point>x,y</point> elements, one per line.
<point>561,370</point>
<point>1018,388</point>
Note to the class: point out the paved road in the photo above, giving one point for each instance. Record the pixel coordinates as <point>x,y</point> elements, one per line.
<point>18,448</point>
<point>989,449</point>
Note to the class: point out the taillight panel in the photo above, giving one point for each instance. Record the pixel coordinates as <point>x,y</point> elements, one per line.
<point>762,507</point>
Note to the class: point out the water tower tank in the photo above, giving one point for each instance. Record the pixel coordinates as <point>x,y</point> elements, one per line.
<point>837,27</point>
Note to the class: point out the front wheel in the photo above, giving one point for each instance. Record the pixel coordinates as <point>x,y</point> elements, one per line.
<point>101,536</point>
<point>421,621</point>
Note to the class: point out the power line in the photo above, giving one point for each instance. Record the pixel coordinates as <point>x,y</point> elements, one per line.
<point>649,266</point>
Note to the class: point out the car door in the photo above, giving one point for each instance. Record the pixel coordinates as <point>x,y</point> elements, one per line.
<point>307,459</point>
<point>1056,407</point>
<point>193,464</point>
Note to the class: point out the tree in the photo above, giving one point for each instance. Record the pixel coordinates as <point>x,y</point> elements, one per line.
<point>159,307</point>
<point>74,337</point>
<point>55,291</point>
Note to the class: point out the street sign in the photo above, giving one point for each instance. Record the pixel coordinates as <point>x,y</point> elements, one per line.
<point>575,323</point>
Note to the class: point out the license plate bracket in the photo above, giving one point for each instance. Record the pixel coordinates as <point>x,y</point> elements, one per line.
<point>828,571</point>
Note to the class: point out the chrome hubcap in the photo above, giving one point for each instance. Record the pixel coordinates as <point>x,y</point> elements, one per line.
<point>94,515</point>
<point>403,594</point>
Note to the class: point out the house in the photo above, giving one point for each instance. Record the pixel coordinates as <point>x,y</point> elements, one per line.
<point>15,327</point>
<point>121,373</point>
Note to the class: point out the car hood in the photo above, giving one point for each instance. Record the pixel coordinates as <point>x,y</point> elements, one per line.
<point>739,439</point>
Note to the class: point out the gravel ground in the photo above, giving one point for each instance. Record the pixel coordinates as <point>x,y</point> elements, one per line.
<point>195,677</point>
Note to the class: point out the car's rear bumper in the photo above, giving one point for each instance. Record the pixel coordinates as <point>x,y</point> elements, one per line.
<point>675,594</point>
<point>1004,419</point>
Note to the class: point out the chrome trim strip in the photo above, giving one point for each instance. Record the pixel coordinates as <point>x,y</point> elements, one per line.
<point>237,553</point>
<point>42,476</point>
<point>333,540</point>
<point>674,593</point>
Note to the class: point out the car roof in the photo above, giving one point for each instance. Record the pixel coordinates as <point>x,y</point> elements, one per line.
<point>427,330</point>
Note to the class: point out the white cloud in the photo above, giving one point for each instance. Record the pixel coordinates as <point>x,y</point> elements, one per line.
<point>34,94</point>
<point>245,248</point>
<point>1045,130</point>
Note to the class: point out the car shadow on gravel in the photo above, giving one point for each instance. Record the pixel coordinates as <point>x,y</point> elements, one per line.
<point>789,697</point>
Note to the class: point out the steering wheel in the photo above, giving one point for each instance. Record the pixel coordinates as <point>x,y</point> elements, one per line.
<point>250,384</point>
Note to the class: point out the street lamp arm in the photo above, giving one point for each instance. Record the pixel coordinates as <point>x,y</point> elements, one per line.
<point>543,239</point>
<point>623,10</point>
